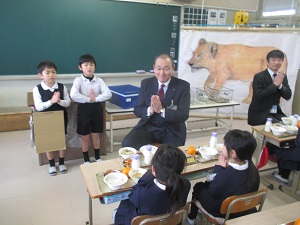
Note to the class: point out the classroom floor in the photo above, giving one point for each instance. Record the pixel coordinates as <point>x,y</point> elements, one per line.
<point>29,196</point>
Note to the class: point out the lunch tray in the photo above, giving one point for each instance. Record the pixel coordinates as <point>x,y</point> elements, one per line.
<point>198,158</point>
<point>105,189</point>
<point>285,134</point>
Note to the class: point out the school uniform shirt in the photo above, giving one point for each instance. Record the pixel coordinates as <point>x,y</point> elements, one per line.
<point>149,197</point>
<point>228,181</point>
<point>82,86</point>
<point>42,106</point>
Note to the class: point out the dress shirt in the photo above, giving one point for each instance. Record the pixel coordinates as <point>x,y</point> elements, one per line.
<point>82,86</point>
<point>272,77</point>
<point>40,105</point>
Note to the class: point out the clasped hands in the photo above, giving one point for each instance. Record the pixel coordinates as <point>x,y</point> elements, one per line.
<point>55,98</point>
<point>279,78</point>
<point>155,105</point>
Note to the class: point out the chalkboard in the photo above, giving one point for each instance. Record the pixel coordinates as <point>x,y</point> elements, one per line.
<point>122,36</point>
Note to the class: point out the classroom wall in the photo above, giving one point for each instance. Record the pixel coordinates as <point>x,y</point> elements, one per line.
<point>13,89</point>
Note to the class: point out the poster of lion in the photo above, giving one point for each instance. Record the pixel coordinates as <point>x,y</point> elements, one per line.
<point>231,59</point>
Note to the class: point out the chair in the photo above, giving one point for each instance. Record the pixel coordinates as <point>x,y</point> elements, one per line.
<point>234,204</point>
<point>163,219</point>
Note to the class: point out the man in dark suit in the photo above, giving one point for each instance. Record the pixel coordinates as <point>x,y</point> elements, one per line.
<point>268,87</point>
<point>163,110</point>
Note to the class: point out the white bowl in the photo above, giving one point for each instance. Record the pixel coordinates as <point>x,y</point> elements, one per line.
<point>137,174</point>
<point>219,147</point>
<point>153,149</point>
<point>277,130</point>
<point>291,129</point>
<point>208,152</point>
<point>127,152</point>
<point>115,180</point>
<point>286,120</point>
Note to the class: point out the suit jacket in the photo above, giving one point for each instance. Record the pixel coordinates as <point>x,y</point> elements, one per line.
<point>265,95</point>
<point>177,94</point>
<point>147,198</point>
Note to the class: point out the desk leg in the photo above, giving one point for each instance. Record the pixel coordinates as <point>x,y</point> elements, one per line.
<point>111,130</point>
<point>90,210</point>
<point>231,118</point>
<point>217,116</point>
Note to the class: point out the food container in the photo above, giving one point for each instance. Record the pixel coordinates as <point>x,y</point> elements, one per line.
<point>127,152</point>
<point>153,149</point>
<point>137,174</point>
<point>219,147</point>
<point>115,180</point>
<point>286,120</point>
<point>220,95</point>
<point>277,130</point>
<point>291,129</point>
<point>124,96</point>
<point>208,152</point>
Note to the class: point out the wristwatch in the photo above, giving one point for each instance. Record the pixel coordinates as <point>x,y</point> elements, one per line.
<point>162,111</point>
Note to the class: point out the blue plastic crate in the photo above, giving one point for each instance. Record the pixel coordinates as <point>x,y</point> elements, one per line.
<point>124,96</point>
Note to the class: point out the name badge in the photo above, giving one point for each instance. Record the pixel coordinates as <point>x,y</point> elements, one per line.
<point>273,109</point>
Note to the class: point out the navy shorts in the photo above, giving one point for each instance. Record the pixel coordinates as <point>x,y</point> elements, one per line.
<point>89,118</point>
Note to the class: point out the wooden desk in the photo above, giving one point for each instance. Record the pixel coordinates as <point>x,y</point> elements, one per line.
<point>89,172</point>
<point>114,110</point>
<point>262,137</point>
<point>278,215</point>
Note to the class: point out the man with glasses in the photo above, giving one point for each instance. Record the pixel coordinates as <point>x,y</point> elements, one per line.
<point>163,106</point>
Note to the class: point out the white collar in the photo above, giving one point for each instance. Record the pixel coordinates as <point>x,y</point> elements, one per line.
<point>239,167</point>
<point>166,83</point>
<point>271,73</point>
<point>161,186</point>
<point>46,87</point>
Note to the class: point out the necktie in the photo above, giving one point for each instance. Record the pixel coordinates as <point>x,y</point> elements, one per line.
<point>161,92</point>
<point>274,75</point>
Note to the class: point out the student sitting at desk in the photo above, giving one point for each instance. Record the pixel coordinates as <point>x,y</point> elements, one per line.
<point>234,174</point>
<point>288,159</point>
<point>51,96</point>
<point>161,190</point>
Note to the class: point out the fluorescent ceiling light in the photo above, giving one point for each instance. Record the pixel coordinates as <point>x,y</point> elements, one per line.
<point>280,13</point>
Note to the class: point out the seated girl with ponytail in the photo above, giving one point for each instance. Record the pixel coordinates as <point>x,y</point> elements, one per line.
<point>234,174</point>
<point>161,190</point>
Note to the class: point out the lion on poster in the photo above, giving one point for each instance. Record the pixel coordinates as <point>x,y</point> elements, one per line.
<point>230,62</point>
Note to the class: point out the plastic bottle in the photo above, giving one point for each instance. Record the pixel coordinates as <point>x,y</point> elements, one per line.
<point>213,140</point>
<point>148,155</point>
<point>135,164</point>
<point>295,120</point>
<point>268,125</point>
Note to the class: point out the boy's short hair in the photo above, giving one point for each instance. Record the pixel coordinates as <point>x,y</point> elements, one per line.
<point>275,54</point>
<point>46,64</point>
<point>86,58</point>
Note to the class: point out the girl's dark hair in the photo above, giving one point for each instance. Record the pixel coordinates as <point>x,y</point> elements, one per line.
<point>168,162</point>
<point>244,145</point>
<point>86,58</point>
<point>46,64</point>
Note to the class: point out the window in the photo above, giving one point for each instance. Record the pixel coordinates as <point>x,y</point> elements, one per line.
<point>279,7</point>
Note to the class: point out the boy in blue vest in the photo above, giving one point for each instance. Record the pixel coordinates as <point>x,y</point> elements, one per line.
<point>51,96</point>
<point>89,91</point>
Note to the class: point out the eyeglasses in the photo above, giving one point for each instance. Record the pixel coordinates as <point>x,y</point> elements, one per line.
<point>165,69</point>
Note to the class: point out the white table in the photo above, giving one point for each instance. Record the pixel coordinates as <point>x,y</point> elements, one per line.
<point>114,110</point>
